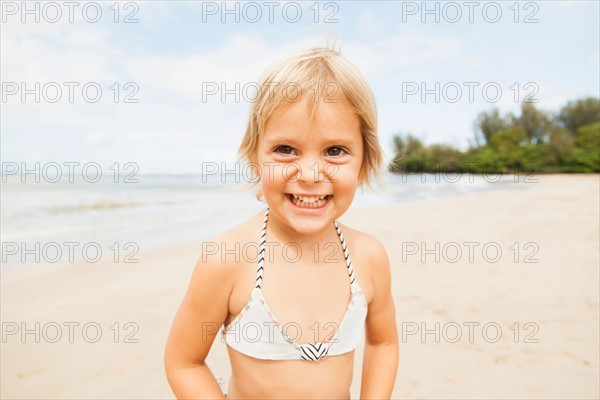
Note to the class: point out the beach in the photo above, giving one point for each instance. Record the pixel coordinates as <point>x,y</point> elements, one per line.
<point>496,293</point>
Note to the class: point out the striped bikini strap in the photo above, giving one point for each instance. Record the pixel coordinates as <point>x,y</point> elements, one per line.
<point>261,253</point>
<point>263,239</point>
<point>346,253</point>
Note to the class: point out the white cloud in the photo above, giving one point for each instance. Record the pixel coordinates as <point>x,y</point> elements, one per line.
<point>368,24</point>
<point>157,132</point>
<point>172,130</point>
<point>242,58</point>
<point>56,53</point>
<point>392,53</point>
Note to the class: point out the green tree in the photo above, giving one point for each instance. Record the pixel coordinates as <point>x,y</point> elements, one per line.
<point>561,142</point>
<point>585,156</point>
<point>529,142</point>
<point>579,113</point>
<point>488,123</point>
<point>509,140</point>
<point>536,123</point>
<point>409,155</point>
<point>484,160</point>
<point>441,157</point>
<point>406,145</point>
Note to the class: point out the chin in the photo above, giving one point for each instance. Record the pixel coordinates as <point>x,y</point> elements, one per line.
<point>305,222</point>
<point>310,227</point>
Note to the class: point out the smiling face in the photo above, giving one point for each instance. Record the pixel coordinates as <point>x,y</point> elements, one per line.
<point>310,167</point>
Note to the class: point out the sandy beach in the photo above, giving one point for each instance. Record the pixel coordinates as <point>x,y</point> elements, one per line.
<point>497,296</point>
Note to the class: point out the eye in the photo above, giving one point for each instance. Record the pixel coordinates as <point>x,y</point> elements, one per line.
<point>284,149</point>
<point>336,151</point>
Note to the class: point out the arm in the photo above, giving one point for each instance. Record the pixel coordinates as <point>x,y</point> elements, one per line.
<point>197,322</point>
<point>380,359</point>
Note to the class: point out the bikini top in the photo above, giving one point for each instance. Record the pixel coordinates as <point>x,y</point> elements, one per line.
<point>256,332</point>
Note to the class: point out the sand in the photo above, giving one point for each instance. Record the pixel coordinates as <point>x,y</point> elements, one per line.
<point>527,329</point>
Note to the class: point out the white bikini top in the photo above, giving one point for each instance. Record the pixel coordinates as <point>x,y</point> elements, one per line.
<point>256,332</point>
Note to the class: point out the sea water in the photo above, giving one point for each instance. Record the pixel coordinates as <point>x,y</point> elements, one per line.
<point>160,210</point>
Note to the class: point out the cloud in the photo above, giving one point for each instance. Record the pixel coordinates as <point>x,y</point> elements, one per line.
<point>392,54</point>
<point>56,52</point>
<point>169,124</point>
<point>172,129</point>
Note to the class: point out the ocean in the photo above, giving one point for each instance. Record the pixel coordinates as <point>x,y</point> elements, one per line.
<point>55,221</point>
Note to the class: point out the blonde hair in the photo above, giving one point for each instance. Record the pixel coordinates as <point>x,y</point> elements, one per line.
<point>324,69</point>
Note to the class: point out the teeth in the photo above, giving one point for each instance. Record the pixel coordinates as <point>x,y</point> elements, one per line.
<point>309,201</point>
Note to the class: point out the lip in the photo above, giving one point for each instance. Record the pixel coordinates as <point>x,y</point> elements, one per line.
<point>308,210</point>
<point>308,194</point>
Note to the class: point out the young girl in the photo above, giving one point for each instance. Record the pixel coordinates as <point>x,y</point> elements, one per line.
<point>294,310</point>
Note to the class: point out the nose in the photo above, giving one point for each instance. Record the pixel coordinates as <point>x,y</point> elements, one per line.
<point>311,170</point>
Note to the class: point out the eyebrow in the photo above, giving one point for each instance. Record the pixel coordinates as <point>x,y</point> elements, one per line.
<point>293,139</point>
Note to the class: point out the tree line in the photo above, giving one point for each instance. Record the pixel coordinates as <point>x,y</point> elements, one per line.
<point>534,140</point>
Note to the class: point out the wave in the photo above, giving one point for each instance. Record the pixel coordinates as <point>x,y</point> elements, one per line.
<point>104,205</point>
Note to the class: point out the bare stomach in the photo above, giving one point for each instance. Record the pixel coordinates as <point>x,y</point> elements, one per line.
<point>328,378</point>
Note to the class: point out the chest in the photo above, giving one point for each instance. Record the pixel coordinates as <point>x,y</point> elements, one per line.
<point>310,300</point>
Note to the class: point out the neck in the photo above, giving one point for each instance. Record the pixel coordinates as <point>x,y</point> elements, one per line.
<point>309,244</point>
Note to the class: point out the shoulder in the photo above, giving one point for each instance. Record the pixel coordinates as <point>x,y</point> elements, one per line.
<point>223,256</point>
<point>371,257</point>
<point>367,246</point>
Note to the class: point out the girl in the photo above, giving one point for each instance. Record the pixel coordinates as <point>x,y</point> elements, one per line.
<point>293,315</point>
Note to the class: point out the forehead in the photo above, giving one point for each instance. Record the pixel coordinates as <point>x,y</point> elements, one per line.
<point>333,120</point>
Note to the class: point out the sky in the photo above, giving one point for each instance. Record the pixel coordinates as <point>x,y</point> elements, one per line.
<point>129,81</point>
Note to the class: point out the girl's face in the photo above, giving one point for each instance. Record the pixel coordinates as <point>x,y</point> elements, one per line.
<point>303,160</point>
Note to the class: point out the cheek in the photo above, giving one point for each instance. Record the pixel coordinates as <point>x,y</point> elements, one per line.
<point>344,178</point>
<point>272,173</point>
<point>346,175</point>
<point>277,173</point>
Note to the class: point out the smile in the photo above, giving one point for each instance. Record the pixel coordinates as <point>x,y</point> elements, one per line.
<point>309,201</point>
